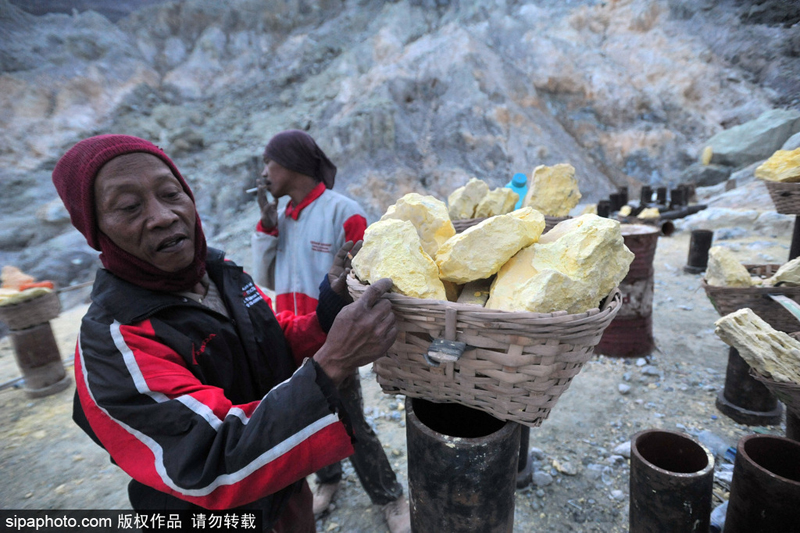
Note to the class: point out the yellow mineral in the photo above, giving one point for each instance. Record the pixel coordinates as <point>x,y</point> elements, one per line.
<point>554,190</point>
<point>788,274</point>
<point>463,201</point>
<point>649,212</point>
<point>482,249</point>
<point>784,166</point>
<point>772,353</point>
<point>590,209</point>
<point>705,157</point>
<point>724,270</point>
<point>429,215</point>
<point>625,210</point>
<point>392,249</point>
<point>497,202</point>
<point>510,278</point>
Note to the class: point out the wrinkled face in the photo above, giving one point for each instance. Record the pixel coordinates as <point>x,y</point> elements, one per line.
<point>279,180</point>
<point>143,209</point>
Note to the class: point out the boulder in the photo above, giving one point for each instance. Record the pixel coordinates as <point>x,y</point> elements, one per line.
<point>705,175</point>
<point>754,140</point>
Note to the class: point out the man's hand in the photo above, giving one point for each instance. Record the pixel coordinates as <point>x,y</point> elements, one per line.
<point>361,333</point>
<point>269,210</point>
<point>342,263</point>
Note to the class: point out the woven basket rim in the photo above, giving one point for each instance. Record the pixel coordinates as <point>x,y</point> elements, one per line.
<point>498,315</point>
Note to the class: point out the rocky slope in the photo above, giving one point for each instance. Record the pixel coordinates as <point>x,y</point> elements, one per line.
<point>413,95</point>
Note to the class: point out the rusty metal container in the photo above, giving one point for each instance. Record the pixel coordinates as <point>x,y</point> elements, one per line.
<point>765,490</point>
<point>699,244</point>
<point>671,482</point>
<point>630,334</point>
<point>462,466</point>
<point>39,361</point>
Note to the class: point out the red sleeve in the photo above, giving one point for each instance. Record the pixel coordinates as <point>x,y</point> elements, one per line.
<point>354,228</point>
<point>302,332</point>
<point>260,229</point>
<point>171,432</point>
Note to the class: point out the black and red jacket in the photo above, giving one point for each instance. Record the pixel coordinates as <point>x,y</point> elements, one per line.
<point>203,410</point>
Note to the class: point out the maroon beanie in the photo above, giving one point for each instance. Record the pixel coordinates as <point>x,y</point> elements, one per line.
<point>297,151</point>
<point>74,178</point>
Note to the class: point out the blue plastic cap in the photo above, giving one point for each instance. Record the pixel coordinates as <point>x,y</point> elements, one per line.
<point>519,179</point>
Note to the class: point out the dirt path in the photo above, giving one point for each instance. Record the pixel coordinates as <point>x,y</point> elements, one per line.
<point>47,463</point>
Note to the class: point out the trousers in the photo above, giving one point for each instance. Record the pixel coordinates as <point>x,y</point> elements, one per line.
<point>369,460</point>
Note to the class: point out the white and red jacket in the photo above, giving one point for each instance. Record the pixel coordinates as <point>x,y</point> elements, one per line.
<point>204,410</point>
<point>293,257</point>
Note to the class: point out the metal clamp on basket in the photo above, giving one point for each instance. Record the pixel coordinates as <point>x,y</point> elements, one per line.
<point>447,350</point>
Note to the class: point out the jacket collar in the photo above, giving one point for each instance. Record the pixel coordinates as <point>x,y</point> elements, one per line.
<point>138,303</point>
<point>294,211</point>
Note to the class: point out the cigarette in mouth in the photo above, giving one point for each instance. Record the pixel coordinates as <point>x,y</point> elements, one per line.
<point>251,191</point>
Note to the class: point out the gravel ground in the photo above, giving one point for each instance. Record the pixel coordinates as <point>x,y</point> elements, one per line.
<point>47,463</point>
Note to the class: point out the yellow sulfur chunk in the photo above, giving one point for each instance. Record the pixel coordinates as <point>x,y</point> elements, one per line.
<point>497,202</point>
<point>649,212</point>
<point>392,249</point>
<point>625,210</point>
<point>463,201</point>
<point>429,216</point>
<point>482,249</point>
<point>788,274</point>
<point>783,166</point>
<point>724,270</point>
<point>554,190</point>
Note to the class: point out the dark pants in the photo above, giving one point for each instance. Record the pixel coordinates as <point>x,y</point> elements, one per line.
<point>369,460</point>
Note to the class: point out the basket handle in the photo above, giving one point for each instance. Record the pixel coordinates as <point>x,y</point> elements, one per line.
<point>446,350</point>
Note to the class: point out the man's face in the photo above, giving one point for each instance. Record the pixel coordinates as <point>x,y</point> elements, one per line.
<point>143,209</point>
<point>278,179</point>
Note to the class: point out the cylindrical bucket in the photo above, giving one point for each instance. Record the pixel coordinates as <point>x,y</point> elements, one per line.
<point>645,195</point>
<point>745,399</point>
<point>603,208</point>
<point>699,244</point>
<point>39,360</point>
<point>630,334</point>
<point>765,490</point>
<point>671,483</point>
<point>792,425</point>
<point>525,464</point>
<point>462,465</point>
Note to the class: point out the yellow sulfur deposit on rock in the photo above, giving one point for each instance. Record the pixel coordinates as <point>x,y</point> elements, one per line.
<point>705,157</point>
<point>788,274</point>
<point>497,202</point>
<point>774,354</point>
<point>427,214</point>
<point>576,264</point>
<point>625,210</point>
<point>784,166</point>
<point>724,270</point>
<point>463,201</point>
<point>482,249</point>
<point>392,249</point>
<point>554,190</point>
<point>649,212</point>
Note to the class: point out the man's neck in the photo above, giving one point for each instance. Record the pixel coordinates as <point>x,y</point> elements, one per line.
<point>303,187</point>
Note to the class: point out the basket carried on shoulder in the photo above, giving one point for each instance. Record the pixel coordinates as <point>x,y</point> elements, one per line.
<point>726,300</point>
<point>33,312</point>
<point>515,365</point>
<point>785,196</point>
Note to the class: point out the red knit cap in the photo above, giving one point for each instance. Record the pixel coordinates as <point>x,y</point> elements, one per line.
<point>74,178</point>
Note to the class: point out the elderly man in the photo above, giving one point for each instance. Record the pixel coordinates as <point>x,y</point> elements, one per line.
<point>293,248</point>
<point>184,375</point>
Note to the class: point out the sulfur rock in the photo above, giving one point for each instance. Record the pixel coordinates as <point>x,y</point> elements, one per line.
<point>625,210</point>
<point>649,212</point>
<point>724,270</point>
<point>590,209</point>
<point>788,274</point>
<point>772,353</point>
<point>554,190</point>
<point>482,249</point>
<point>705,157</point>
<point>392,249</point>
<point>429,216</point>
<point>572,267</point>
<point>497,202</point>
<point>783,166</point>
<point>463,201</point>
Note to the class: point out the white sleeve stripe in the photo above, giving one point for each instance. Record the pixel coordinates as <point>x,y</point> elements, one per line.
<point>265,458</point>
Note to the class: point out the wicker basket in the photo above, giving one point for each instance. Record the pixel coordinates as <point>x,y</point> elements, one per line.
<point>788,393</point>
<point>785,196</point>
<point>549,223</point>
<point>726,300</point>
<point>31,312</point>
<point>515,367</point>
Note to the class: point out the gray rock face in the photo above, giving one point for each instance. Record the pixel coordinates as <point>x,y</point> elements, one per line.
<point>705,175</point>
<point>754,140</point>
